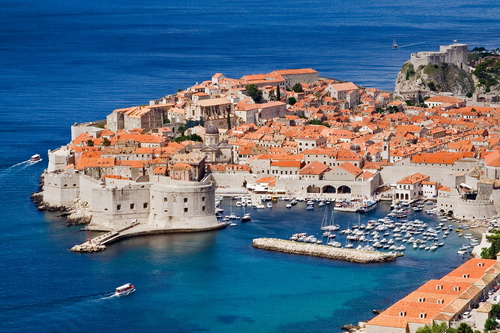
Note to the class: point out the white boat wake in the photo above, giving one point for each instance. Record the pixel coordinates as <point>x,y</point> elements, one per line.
<point>109,296</point>
<point>408,45</point>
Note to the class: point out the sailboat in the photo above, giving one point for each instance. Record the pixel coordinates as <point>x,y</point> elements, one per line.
<point>329,224</point>
<point>394,44</point>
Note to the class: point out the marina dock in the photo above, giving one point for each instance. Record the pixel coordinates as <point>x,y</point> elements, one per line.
<point>322,251</point>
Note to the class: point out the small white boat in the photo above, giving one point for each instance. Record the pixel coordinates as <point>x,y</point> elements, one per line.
<point>288,206</point>
<point>246,218</point>
<point>35,158</point>
<point>125,290</point>
<point>269,205</point>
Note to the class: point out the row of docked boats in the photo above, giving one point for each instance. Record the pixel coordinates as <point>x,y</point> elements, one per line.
<point>393,235</point>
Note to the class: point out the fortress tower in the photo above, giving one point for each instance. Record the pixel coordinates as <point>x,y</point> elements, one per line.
<point>454,54</point>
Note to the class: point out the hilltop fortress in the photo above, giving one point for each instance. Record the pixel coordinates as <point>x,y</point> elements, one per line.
<point>454,54</point>
<point>157,168</point>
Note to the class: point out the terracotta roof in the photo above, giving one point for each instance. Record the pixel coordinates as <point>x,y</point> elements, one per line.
<point>313,168</point>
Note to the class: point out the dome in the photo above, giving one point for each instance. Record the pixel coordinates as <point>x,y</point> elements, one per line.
<point>211,129</point>
<point>355,147</point>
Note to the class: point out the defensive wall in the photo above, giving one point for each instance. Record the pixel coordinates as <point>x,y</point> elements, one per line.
<point>304,187</point>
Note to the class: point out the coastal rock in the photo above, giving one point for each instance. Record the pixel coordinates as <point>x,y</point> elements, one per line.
<point>86,247</point>
<point>323,251</point>
<point>434,79</point>
<point>78,217</point>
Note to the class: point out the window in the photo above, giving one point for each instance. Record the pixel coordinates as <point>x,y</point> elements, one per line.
<point>118,207</point>
<point>439,287</point>
<point>422,315</point>
<point>203,208</point>
<point>456,288</point>
<point>421,300</point>
<point>440,301</point>
<point>480,264</point>
<point>402,314</point>
<point>465,276</point>
<point>145,205</point>
<point>185,210</point>
<point>164,199</point>
<point>202,198</point>
<point>132,206</point>
<point>185,199</point>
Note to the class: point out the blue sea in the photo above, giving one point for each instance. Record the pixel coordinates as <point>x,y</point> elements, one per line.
<point>70,61</point>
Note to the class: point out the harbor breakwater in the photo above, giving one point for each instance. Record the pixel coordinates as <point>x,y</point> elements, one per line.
<point>322,251</point>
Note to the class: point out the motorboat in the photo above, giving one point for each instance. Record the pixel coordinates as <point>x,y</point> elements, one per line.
<point>35,158</point>
<point>246,218</point>
<point>125,290</point>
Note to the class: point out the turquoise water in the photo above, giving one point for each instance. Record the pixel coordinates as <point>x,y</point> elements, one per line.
<point>72,61</point>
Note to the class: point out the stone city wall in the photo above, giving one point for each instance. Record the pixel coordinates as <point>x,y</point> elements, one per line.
<point>61,189</point>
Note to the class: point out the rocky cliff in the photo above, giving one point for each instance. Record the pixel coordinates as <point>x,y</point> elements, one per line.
<point>483,76</point>
<point>434,78</point>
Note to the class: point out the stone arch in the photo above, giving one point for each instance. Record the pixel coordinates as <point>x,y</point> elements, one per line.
<point>450,213</point>
<point>313,189</point>
<point>406,196</point>
<point>329,189</point>
<point>397,196</point>
<point>343,189</point>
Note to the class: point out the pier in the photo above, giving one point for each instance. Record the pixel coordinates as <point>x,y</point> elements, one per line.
<point>100,242</point>
<point>322,251</point>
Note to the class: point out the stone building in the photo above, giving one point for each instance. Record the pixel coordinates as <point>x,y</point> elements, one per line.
<point>439,301</point>
<point>454,54</point>
<point>146,117</point>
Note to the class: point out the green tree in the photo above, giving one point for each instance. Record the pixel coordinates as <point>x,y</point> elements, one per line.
<point>490,252</point>
<point>90,143</point>
<point>495,311</point>
<point>253,91</point>
<point>392,109</point>
<point>315,122</point>
<point>464,328</point>
<point>106,142</point>
<point>181,130</point>
<point>166,120</point>
<point>431,86</point>
<point>297,88</point>
<point>490,324</point>
<point>278,94</point>
<point>468,95</point>
<point>195,137</point>
<point>292,100</point>
<point>228,121</point>
<point>435,328</point>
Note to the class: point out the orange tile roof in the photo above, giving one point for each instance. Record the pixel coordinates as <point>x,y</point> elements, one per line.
<point>100,162</point>
<point>313,168</point>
